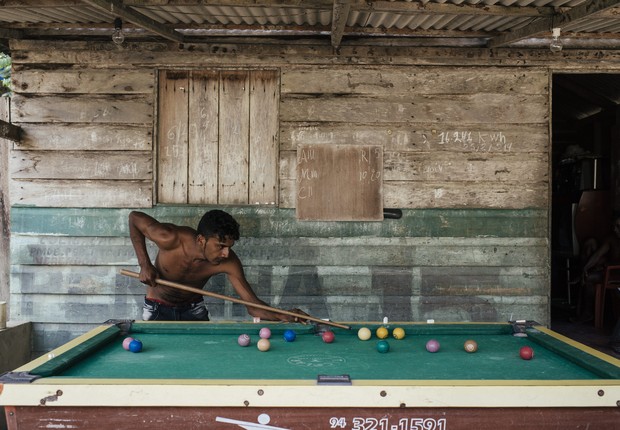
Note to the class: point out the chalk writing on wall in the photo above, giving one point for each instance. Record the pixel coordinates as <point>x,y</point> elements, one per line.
<point>469,141</point>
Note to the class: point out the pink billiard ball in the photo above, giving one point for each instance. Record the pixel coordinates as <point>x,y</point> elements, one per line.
<point>526,353</point>
<point>126,342</point>
<point>328,336</point>
<point>432,345</point>
<point>243,340</point>
<point>264,333</point>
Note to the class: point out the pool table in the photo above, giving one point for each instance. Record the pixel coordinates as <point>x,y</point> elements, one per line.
<point>196,375</point>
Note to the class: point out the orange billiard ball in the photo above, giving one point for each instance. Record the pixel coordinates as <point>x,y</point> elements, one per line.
<point>470,346</point>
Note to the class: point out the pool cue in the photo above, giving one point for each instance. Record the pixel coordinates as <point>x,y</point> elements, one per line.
<point>235,300</point>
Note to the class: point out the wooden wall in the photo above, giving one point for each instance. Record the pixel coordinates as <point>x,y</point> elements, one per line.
<point>466,156</point>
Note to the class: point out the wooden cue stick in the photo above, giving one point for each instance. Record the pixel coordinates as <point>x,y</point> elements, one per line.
<point>235,300</point>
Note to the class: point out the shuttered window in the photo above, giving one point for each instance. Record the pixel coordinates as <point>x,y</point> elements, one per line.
<point>218,137</point>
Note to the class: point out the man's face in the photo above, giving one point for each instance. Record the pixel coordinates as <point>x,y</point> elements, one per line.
<point>617,227</point>
<point>217,250</point>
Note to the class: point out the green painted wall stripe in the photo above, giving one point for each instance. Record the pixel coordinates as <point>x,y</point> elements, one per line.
<point>274,222</point>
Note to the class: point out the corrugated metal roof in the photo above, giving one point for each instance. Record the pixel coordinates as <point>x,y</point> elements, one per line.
<point>484,22</point>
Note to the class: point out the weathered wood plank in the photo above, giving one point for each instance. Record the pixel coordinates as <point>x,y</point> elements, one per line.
<point>444,110</point>
<point>5,206</point>
<point>415,136</point>
<point>234,137</point>
<point>83,81</point>
<point>450,167</point>
<point>475,252</point>
<point>81,165</point>
<point>127,109</point>
<point>272,53</point>
<point>405,81</point>
<point>203,137</point>
<point>66,193</point>
<point>402,194</point>
<point>173,136</point>
<point>263,168</point>
<point>273,222</point>
<point>85,137</point>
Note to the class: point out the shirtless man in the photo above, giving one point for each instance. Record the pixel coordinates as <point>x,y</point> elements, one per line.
<point>190,257</point>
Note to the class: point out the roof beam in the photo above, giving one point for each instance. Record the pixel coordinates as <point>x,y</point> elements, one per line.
<point>544,25</point>
<point>116,7</point>
<point>339,20</point>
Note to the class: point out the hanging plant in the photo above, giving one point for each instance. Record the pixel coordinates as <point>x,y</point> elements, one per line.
<point>5,75</point>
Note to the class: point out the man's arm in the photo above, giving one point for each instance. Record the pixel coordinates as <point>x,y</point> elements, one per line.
<point>236,276</point>
<point>141,227</point>
<point>597,257</point>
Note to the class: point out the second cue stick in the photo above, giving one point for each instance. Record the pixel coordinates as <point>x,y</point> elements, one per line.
<point>235,300</point>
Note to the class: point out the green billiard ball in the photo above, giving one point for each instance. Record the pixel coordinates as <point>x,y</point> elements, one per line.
<point>383,346</point>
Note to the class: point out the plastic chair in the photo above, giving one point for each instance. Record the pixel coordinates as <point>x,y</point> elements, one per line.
<point>610,281</point>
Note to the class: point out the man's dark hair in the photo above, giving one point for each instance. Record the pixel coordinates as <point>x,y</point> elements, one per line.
<point>218,223</point>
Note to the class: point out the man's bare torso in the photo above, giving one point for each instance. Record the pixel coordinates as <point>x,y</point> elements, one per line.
<point>178,265</point>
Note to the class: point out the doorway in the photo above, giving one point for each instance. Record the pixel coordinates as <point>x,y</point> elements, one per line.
<point>585,179</point>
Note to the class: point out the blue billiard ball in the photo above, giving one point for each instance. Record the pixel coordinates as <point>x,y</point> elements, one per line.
<point>289,335</point>
<point>135,345</point>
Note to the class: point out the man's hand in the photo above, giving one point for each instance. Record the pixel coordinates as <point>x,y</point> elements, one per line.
<point>149,275</point>
<point>300,319</point>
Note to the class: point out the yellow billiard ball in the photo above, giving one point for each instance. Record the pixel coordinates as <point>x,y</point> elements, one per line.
<point>364,333</point>
<point>382,332</point>
<point>398,333</point>
<point>263,345</point>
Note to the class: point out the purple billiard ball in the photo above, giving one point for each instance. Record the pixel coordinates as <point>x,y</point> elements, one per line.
<point>289,335</point>
<point>126,342</point>
<point>432,345</point>
<point>243,340</point>
<point>264,333</point>
<point>135,345</point>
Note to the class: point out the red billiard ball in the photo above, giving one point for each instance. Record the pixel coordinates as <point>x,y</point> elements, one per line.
<point>264,333</point>
<point>526,353</point>
<point>126,342</point>
<point>328,336</point>
<point>135,345</point>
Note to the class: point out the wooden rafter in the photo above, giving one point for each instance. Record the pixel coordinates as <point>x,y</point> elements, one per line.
<point>339,20</point>
<point>544,25</point>
<point>119,9</point>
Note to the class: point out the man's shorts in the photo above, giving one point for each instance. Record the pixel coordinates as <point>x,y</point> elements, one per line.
<point>154,310</point>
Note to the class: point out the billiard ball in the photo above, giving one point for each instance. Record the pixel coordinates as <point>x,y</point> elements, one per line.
<point>364,333</point>
<point>264,333</point>
<point>432,345</point>
<point>398,333</point>
<point>126,342</point>
<point>289,335</point>
<point>383,346</point>
<point>526,353</point>
<point>243,340</point>
<point>470,346</point>
<point>135,345</point>
<point>263,345</point>
<point>382,332</point>
<point>328,336</point>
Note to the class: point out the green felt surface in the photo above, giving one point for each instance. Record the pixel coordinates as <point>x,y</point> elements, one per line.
<point>210,351</point>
